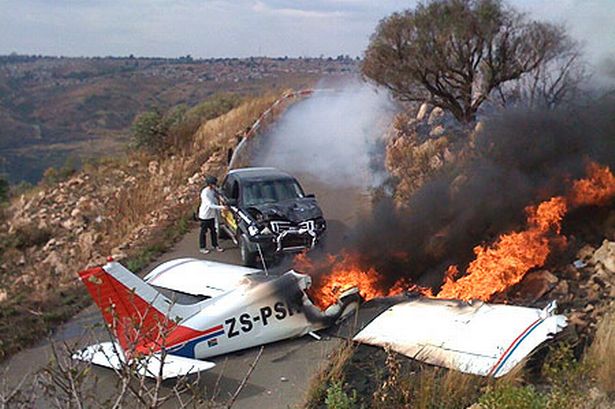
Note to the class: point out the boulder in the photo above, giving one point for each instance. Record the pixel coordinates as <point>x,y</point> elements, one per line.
<point>578,320</point>
<point>561,290</point>
<point>604,257</point>
<point>87,241</point>
<point>585,252</point>
<point>152,167</point>
<point>423,109</point>
<point>536,284</point>
<point>54,262</point>
<point>50,244</point>
<point>436,115</point>
<point>194,179</point>
<point>68,224</point>
<point>437,131</point>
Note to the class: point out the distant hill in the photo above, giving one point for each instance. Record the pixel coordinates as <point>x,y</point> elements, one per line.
<point>53,108</point>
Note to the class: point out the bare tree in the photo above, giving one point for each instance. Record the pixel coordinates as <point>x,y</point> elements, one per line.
<point>554,82</point>
<point>455,53</point>
<point>19,396</point>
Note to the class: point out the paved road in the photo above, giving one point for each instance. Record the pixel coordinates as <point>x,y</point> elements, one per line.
<point>285,368</point>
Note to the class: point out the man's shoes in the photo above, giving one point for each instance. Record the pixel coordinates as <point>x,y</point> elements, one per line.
<point>204,251</point>
<point>219,249</point>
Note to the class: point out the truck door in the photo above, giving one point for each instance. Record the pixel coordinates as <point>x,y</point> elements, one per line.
<point>230,190</point>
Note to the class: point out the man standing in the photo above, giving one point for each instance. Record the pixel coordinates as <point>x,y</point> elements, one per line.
<point>207,215</point>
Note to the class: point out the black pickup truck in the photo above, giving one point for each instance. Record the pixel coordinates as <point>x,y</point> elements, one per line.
<point>269,214</point>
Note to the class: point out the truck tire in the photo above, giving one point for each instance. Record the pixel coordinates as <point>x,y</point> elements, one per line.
<point>248,258</point>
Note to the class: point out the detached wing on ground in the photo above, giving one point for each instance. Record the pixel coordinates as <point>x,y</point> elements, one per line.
<point>476,338</point>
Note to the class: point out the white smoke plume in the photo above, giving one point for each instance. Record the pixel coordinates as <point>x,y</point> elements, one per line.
<point>331,135</point>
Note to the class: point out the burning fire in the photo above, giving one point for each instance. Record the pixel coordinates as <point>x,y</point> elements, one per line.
<point>344,274</point>
<point>597,189</point>
<point>495,268</point>
<point>504,263</point>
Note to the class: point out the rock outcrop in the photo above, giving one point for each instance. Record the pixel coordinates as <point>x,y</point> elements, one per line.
<point>420,146</point>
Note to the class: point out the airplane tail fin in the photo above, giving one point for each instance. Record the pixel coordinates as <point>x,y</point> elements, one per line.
<point>137,314</point>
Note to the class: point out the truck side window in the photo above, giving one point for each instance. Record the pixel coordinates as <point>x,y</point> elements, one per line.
<point>234,193</point>
<point>226,187</point>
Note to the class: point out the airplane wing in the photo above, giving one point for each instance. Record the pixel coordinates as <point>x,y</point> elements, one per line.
<point>477,338</point>
<point>110,355</point>
<point>198,277</point>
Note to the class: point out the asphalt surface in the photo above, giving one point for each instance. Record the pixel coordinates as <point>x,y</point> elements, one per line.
<point>284,370</point>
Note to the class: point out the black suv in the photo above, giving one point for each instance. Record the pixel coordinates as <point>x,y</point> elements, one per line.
<point>269,214</point>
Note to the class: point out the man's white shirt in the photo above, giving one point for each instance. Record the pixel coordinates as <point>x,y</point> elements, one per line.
<point>209,204</point>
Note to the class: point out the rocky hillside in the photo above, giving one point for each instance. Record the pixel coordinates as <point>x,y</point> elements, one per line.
<point>130,208</point>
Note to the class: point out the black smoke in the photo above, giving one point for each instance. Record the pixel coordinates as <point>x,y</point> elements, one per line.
<point>520,158</point>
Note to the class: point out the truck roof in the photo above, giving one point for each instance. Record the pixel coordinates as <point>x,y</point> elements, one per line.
<point>258,173</point>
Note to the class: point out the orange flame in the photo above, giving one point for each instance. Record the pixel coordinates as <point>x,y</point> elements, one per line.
<point>344,273</point>
<point>597,189</point>
<point>504,264</point>
<point>496,267</point>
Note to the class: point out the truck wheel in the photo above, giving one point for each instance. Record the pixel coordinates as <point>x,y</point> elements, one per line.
<point>248,258</point>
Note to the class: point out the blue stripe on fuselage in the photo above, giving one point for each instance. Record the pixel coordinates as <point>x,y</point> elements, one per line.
<point>187,349</point>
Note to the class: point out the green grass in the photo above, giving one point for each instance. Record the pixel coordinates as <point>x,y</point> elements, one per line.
<point>508,396</point>
<point>337,398</point>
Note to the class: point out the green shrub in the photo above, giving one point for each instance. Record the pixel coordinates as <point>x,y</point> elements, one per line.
<point>4,190</point>
<point>31,235</point>
<point>214,107</point>
<point>337,398</point>
<point>156,132</point>
<point>508,396</point>
<point>566,376</point>
<point>149,132</point>
<point>21,188</point>
<point>52,176</point>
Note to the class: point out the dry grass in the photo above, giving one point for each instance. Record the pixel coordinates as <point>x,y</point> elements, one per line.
<point>601,354</point>
<point>413,163</point>
<point>168,174</point>
<point>331,373</point>
<point>425,387</point>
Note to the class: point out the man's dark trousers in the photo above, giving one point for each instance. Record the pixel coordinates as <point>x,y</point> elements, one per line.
<point>208,224</point>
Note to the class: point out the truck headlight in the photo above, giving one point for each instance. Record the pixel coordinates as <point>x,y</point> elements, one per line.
<point>266,230</point>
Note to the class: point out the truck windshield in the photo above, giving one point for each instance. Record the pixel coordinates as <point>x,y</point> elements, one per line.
<point>270,191</point>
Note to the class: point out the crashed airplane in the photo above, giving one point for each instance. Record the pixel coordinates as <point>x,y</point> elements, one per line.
<point>187,310</point>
